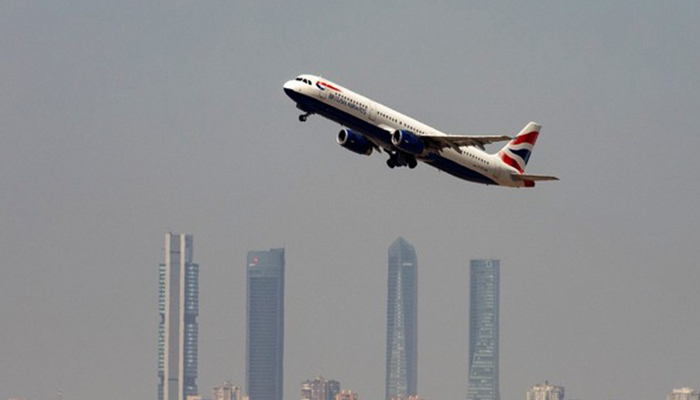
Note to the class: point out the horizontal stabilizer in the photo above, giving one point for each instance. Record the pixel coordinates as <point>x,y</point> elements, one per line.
<point>532,177</point>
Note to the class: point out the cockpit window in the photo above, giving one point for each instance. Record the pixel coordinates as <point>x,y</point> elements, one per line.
<point>307,81</point>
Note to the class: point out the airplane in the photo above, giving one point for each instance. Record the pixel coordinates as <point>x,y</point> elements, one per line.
<point>370,126</point>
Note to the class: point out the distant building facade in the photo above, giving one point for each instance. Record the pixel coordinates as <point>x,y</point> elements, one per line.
<point>227,391</point>
<point>265,325</point>
<point>320,389</point>
<point>178,328</point>
<point>346,395</point>
<point>484,330</point>
<point>684,394</point>
<point>402,322</point>
<point>545,391</point>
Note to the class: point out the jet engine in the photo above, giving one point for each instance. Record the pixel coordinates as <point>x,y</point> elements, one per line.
<point>407,142</point>
<point>354,142</point>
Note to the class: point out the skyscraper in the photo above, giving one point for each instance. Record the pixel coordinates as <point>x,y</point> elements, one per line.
<point>319,389</point>
<point>402,322</point>
<point>483,330</point>
<point>545,392</point>
<point>265,320</point>
<point>178,329</point>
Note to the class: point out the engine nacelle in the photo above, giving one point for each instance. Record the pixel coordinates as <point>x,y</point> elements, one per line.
<point>354,142</point>
<point>407,142</point>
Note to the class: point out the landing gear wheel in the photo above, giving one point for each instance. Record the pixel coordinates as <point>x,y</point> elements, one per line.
<point>412,163</point>
<point>390,163</point>
<point>303,117</point>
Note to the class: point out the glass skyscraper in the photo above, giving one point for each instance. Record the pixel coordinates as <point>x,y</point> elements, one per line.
<point>265,321</point>
<point>178,329</point>
<point>483,330</point>
<point>402,322</point>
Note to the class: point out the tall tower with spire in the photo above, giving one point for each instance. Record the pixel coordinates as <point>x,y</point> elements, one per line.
<point>402,322</point>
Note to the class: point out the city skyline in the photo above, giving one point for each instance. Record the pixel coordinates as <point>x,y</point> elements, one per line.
<point>179,275</point>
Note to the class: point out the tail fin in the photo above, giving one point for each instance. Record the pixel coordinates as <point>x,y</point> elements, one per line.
<point>517,152</point>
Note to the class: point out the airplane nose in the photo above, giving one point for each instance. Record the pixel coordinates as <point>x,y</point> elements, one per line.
<point>289,88</point>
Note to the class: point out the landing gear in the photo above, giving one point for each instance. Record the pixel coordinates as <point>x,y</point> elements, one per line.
<point>399,159</point>
<point>393,160</point>
<point>303,117</point>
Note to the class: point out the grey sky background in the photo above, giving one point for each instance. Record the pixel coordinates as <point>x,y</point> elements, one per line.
<point>122,120</point>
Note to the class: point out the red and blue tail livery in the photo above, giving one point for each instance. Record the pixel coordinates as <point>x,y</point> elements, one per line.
<point>517,152</point>
<point>369,126</point>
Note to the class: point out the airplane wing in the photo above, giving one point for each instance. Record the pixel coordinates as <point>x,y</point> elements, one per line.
<point>532,177</point>
<point>440,142</point>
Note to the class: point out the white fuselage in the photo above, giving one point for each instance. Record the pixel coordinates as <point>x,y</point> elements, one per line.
<point>318,95</point>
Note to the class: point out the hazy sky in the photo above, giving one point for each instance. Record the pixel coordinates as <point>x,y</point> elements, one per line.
<point>121,120</point>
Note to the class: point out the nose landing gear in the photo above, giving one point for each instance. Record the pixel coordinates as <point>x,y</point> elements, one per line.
<point>303,117</point>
